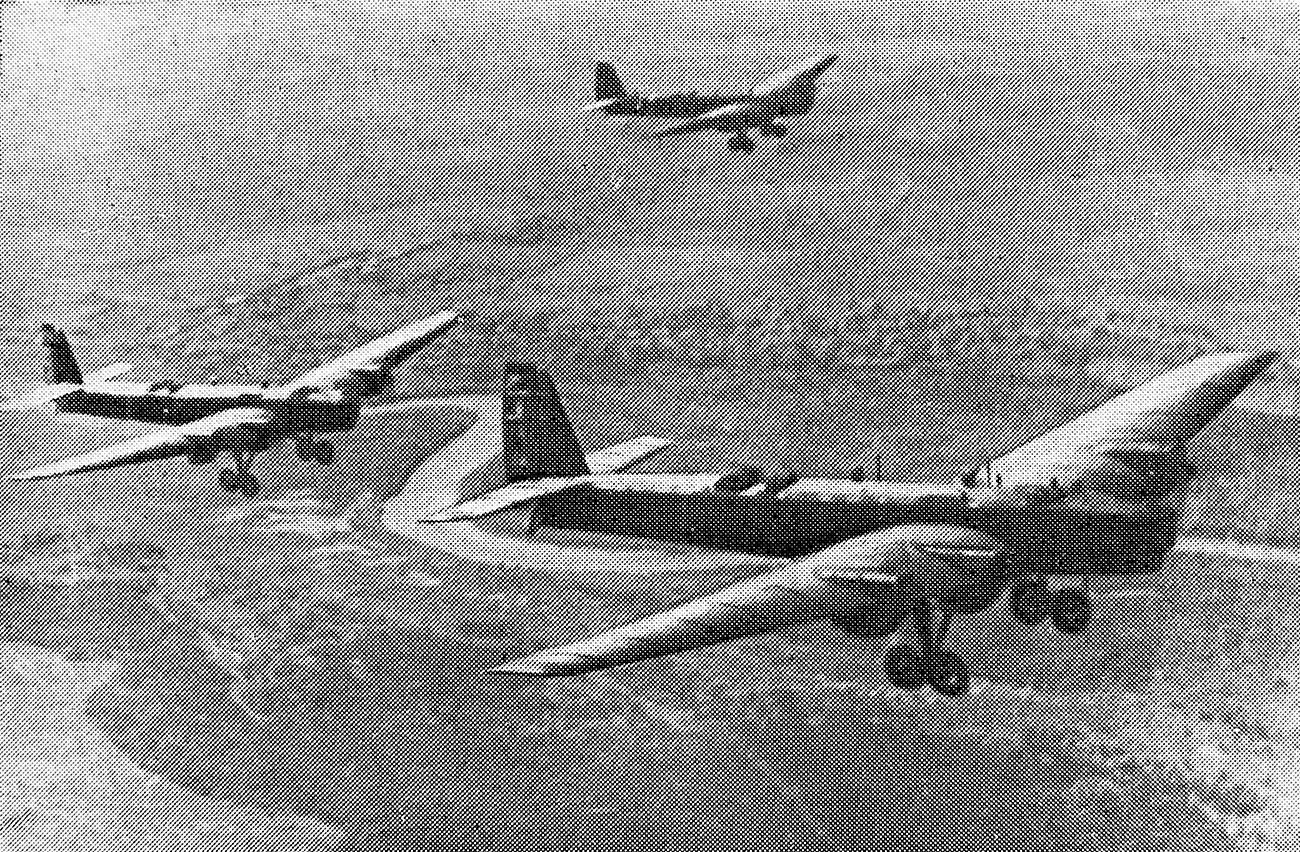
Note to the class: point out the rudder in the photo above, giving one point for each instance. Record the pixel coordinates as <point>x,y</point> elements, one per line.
<point>536,437</point>
<point>608,85</point>
<point>60,364</point>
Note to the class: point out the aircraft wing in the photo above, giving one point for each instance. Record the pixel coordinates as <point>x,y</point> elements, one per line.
<point>1161,415</point>
<point>860,574</point>
<point>378,356</point>
<point>727,119</point>
<point>162,444</point>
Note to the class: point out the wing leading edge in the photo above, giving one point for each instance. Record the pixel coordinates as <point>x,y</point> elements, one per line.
<point>162,444</point>
<point>1168,411</point>
<point>855,575</point>
<point>380,355</point>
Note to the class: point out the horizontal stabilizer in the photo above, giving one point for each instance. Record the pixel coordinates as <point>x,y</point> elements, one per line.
<point>503,498</point>
<point>108,373</point>
<point>599,105</point>
<point>609,460</point>
<point>622,456</point>
<point>43,395</point>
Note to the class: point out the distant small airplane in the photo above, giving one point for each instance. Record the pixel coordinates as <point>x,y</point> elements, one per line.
<point>1102,495</point>
<point>789,93</point>
<point>206,420</point>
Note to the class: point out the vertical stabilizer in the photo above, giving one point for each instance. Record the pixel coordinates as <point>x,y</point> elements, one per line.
<point>608,86</point>
<point>60,365</point>
<point>536,438</point>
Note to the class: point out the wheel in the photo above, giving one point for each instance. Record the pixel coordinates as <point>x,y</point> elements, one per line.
<point>948,674</point>
<point>324,452</point>
<point>306,449</point>
<point>1031,602</point>
<point>1071,610</point>
<point>249,486</point>
<point>903,667</point>
<point>228,480</point>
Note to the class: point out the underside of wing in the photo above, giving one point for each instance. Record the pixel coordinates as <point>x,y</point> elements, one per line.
<point>853,576</point>
<point>162,444</point>
<point>730,118</point>
<point>380,355</point>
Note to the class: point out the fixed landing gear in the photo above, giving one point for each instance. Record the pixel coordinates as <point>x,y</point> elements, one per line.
<point>910,668</point>
<point>240,479</point>
<point>1032,602</point>
<point>321,452</point>
<point>774,130</point>
<point>741,144</point>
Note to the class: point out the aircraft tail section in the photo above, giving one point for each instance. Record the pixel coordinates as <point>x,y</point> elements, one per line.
<point>60,364</point>
<point>608,85</point>
<point>536,438</point>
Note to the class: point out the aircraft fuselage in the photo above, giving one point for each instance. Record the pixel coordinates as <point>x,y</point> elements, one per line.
<point>675,105</point>
<point>177,405</point>
<point>1081,534</point>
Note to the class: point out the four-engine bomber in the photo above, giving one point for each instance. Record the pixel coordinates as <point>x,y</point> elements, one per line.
<point>1103,495</point>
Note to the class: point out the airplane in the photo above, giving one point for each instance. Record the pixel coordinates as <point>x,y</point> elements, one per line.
<point>203,421</point>
<point>788,93</point>
<point>1102,495</point>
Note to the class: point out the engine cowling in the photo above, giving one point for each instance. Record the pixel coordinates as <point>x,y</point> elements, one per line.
<point>241,438</point>
<point>363,384</point>
<point>1137,472</point>
<point>959,569</point>
<point>964,581</point>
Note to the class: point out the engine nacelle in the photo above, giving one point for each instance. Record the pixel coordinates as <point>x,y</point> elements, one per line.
<point>1137,472</point>
<point>363,384</point>
<point>242,438</point>
<point>880,615</point>
<point>961,570</point>
<point>962,583</point>
<point>958,569</point>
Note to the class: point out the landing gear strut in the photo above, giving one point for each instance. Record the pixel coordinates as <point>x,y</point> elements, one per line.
<point>909,668</point>
<point>240,479</point>
<point>774,130</point>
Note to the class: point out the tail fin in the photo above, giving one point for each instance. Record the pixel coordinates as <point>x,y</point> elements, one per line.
<point>60,364</point>
<point>536,438</point>
<point>608,86</point>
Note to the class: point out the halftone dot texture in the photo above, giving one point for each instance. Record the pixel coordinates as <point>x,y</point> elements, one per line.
<point>994,217</point>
